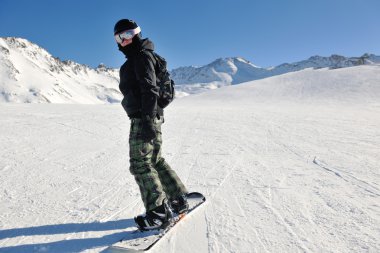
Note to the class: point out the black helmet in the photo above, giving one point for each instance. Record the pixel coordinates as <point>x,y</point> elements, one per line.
<point>124,24</point>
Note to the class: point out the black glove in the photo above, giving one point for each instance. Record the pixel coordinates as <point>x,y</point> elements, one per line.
<point>148,131</point>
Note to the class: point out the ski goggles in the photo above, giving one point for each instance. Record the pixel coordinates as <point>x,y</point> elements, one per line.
<point>126,35</point>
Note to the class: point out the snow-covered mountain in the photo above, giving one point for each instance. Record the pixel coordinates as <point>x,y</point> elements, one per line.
<point>29,74</point>
<point>226,71</point>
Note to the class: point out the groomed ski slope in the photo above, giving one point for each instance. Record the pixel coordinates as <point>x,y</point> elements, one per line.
<point>288,164</point>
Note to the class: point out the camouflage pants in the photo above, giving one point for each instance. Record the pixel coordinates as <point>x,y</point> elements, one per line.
<point>152,173</point>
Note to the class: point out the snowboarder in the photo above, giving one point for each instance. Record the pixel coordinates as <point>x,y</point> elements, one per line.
<point>161,189</point>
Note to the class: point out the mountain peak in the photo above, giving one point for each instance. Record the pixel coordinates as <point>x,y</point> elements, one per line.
<point>22,44</point>
<point>222,71</point>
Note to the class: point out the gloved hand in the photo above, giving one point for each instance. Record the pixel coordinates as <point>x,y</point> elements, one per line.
<point>148,131</point>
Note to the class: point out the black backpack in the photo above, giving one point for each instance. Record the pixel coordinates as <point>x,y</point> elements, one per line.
<point>164,82</point>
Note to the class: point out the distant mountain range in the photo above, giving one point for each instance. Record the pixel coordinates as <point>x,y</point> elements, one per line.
<point>29,74</point>
<point>237,70</point>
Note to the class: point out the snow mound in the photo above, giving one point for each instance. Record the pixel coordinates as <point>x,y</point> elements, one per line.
<point>360,84</point>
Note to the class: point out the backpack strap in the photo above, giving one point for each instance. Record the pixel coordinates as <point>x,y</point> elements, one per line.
<point>153,57</point>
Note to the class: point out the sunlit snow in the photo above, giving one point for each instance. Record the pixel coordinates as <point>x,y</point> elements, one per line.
<point>288,164</point>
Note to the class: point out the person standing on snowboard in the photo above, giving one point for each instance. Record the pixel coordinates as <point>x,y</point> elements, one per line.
<point>160,187</point>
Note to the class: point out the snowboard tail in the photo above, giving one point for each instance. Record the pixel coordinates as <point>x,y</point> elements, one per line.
<point>142,241</point>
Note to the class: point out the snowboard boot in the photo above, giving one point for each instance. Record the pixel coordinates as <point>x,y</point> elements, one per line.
<point>157,218</point>
<point>179,204</point>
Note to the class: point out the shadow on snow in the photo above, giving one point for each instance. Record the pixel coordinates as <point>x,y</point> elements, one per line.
<point>70,245</point>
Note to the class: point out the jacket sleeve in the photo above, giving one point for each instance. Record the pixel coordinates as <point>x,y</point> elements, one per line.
<point>122,81</point>
<point>146,76</point>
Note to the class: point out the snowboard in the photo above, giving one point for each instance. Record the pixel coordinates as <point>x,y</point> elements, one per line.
<point>142,241</point>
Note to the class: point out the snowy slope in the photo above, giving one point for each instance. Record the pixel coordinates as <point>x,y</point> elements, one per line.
<point>288,164</point>
<point>29,74</point>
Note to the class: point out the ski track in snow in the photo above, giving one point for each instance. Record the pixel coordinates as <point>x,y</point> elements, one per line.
<point>278,175</point>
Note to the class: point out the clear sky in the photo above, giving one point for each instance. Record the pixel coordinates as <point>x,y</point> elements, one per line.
<point>196,32</point>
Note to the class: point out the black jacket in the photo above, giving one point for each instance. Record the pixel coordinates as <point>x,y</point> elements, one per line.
<point>138,80</point>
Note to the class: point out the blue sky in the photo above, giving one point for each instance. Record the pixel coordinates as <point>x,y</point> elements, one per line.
<point>196,32</point>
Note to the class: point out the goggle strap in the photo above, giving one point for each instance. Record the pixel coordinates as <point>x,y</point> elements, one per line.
<point>137,30</point>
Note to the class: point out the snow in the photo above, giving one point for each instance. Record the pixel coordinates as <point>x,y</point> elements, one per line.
<point>288,164</point>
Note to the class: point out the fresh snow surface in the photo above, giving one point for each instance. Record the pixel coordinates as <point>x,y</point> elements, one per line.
<point>287,164</point>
